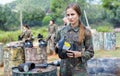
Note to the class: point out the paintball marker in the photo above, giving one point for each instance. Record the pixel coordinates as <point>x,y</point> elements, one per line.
<point>55,63</point>
<point>25,67</point>
<point>28,44</point>
<point>61,54</point>
<point>63,46</point>
<point>73,48</point>
<point>60,44</point>
<point>42,43</point>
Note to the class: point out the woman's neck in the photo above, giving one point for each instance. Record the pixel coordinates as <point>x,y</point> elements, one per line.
<point>75,24</point>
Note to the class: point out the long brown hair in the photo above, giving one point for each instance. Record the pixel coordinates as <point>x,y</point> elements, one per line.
<point>76,7</point>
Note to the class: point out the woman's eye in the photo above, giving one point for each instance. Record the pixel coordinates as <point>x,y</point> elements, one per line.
<point>72,14</point>
<point>67,14</point>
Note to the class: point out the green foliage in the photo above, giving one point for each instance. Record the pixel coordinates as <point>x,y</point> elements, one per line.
<point>46,20</point>
<point>28,5</point>
<point>104,28</point>
<point>34,17</point>
<point>40,30</point>
<point>94,13</point>
<point>57,7</point>
<point>10,36</point>
<point>8,18</point>
<point>59,21</point>
<point>111,4</point>
<point>113,10</point>
<point>32,12</point>
<point>117,39</point>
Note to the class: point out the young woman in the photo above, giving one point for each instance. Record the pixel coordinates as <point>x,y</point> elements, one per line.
<point>26,33</point>
<point>77,48</point>
<point>50,38</point>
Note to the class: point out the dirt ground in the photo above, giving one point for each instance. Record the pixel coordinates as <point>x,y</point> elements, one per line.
<point>1,71</point>
<point>50,59</point>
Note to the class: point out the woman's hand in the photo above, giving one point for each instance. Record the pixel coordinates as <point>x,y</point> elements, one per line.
<point>74,54</point>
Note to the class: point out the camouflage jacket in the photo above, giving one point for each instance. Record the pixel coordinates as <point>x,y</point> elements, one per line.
<point>52,29</point>
<point>75,66</point>
<point>26,35</point>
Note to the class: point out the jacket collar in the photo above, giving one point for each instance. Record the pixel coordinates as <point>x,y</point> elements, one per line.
<point>75,29</point>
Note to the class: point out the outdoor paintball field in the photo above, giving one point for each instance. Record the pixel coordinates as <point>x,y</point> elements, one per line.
<point>98,54</point>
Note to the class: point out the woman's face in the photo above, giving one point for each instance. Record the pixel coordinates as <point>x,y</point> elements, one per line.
<point>24,28</point>
<point>51,22</point>
<point>72,16</point>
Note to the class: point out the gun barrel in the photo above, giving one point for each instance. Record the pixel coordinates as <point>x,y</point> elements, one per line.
<point>41,65</point>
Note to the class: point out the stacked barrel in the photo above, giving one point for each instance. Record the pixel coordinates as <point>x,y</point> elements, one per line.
<point>1,54</point>
<point>16,53</point>
<point>36,55</point>
<point>13,56</point>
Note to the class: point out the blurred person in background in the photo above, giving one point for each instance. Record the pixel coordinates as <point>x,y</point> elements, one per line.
<point>26,33</point>
<point>51,36</point>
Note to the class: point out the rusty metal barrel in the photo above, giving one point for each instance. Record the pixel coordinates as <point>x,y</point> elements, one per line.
<point>13,56</point>
<point>49,71</point>
<point>36,55</point>
<point>1,54</point>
